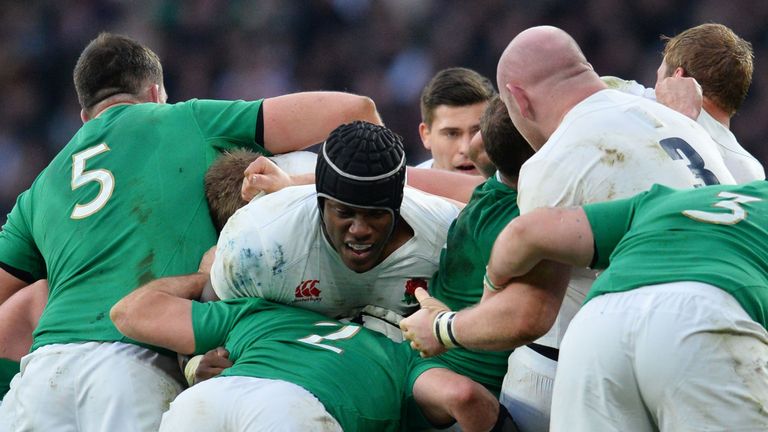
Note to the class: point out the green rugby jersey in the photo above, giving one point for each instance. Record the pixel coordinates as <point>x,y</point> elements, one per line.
<point>716,235</point>
<point>459,280</point>
<point>120,205</point>
<point>360,376</point>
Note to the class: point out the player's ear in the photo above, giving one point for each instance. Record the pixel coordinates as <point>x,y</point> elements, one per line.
<point>522,101</point>
<point>424,134</point>
<point>84,115</point>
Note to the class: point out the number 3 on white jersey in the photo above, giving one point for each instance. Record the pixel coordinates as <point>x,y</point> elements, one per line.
<point>81,177</point>
<point>731,202</point>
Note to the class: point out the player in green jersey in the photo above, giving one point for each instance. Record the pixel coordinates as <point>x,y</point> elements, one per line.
<point>120,205</point>
<point>673,333</point>
<point>458,281</point>
<point>294,369</point>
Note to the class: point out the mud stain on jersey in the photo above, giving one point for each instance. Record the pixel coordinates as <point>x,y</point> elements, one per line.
<point>611,156</point>
<point>142,214</point>
<point>145,268</point>
<point>278,257</point>
<point>100,316</point>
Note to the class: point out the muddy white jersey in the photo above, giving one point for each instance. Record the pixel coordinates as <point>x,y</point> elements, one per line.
<point>274,248</point>
<point>614,145</point>
<point>743,166</point>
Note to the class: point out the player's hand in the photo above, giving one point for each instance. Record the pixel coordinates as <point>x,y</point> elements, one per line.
<point>212,364</point>
<point>418,328</point>
<point>262,177</point>
<point>207,261</point>
<point>682,94</point>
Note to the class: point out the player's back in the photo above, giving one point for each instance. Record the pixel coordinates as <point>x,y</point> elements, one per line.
<point>730,220</point>
<point>614,145</point>
<point>340,364</point>
<point>120,205</point>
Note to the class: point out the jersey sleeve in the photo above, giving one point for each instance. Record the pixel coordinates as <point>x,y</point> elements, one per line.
<point>244,264</point>
<point>19,254</point>
<point>230,124</point>
<point>212,322</point>
<point>609,221</point>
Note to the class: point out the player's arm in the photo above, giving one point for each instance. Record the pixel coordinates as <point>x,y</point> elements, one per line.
<point>558,234</point>
<point>451,185</point>
<point>9,284</point>
<point>263,175</point>
<point>160,312</point>
<point>18,318</point>
<point>296,121</point>
<point>521,313</point>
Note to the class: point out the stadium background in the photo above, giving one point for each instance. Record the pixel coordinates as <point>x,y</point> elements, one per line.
<point>386,49</point>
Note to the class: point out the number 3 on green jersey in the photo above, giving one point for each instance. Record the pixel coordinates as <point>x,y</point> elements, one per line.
<point>81,177</point>
<point>732,202</point>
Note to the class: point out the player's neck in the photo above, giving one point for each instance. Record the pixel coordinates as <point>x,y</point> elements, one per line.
<point>716,112</point>
<point>116,100</point>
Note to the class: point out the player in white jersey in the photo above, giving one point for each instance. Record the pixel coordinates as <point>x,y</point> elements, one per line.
<point>348,244</point>
<point>275,248</point>
<point>596,144</point>
<point>451,105</point>
<point>721,62</point>
<point>593,144</point>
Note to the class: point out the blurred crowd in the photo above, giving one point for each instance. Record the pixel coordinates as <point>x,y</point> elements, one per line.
<point>386,49</point>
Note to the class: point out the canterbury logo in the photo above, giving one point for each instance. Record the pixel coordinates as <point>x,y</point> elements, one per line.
<point>308,291</point>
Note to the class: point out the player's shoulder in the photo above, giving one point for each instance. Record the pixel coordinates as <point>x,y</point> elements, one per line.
<point>289,207</point>
<point>421,205</point>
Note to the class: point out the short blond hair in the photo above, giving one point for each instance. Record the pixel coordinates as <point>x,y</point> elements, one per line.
<point>717,58</point>
<point>223,181</point>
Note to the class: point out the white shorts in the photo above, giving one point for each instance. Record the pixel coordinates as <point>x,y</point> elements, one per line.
<point>91,386</point>
<point>671,357</point>
<point>247,404</point>
<point>527,389</point>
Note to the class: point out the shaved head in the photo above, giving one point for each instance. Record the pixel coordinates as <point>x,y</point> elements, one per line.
<point>541,75</point>
<point>538,54</point>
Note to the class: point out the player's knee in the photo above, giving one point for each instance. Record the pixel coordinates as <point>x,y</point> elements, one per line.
<point>466,393</point>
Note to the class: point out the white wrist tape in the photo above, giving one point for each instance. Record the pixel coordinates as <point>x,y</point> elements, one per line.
<point>191,368</point>
<point>443,329</point>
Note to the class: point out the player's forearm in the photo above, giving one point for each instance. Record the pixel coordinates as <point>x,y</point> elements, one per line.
<point>557,234</point>
<point>519,314</point>
<point>455,186</point>
<point>296,121</point>
<point>159,313</point>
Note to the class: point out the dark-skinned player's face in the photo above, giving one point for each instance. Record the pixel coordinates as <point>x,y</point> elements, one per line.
<point>358,234</point>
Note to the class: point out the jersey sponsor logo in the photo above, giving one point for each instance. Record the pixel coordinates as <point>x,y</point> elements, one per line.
<point>409,296</point>
<point>307,291</point>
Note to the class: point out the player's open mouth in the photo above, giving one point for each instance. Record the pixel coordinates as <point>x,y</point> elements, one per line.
<point>359,249</point>
<point>466,168</point>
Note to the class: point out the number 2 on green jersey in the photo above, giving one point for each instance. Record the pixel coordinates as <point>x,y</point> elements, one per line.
<point>81,177</point>
<point>731,201</point>
<point>345,332</point>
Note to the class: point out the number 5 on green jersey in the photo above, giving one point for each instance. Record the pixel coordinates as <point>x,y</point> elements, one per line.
<point>81,177</point>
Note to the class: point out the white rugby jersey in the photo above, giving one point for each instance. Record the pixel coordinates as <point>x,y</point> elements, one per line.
<point>614,145</point>
<point>274,248</point>
<point>743,166</point>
